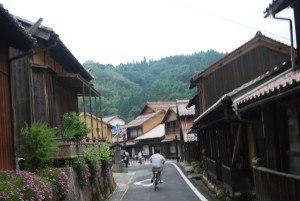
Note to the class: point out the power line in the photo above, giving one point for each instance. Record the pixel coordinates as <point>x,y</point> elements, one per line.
<point>230,20</point>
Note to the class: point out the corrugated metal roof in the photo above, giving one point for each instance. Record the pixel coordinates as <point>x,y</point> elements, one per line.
<point>156,132</point>
<point>280,83</point>
<point>183,110</point>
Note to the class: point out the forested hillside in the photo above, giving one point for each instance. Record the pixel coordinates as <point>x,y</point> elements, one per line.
<point>126,88</point>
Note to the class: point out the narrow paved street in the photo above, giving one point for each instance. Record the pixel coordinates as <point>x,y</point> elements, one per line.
<point>176,187</point>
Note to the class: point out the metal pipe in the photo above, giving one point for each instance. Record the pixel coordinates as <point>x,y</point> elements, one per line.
<point>292,37</point>
<point>32,53</point>
<point>83,102</point>
<point>97,129</point>
<point>91,114</point>
<point>101,118</point>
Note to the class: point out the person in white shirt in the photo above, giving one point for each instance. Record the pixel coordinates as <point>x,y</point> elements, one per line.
<point>157,161</point>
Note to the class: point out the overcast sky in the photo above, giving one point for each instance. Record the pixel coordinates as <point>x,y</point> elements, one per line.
<point>121,31</point>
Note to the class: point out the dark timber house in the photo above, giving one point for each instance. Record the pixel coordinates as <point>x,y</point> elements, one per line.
<point>42,80</point>
<point>218,128</point>
<point>12,35</point>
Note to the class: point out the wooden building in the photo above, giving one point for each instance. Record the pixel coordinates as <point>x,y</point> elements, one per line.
<point>178,144</point>
<point>100,130</point>
<point>12,35</point>
<point>43,80</point>
<point>218,128</point>
<point>138,127</point>
<point>148,122</point>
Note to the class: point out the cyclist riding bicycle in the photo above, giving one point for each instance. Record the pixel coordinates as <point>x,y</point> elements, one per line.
<point>157,161</point>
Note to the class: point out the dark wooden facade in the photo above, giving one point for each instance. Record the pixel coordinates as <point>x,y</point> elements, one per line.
<point>11,35</point>
<point>40,81</point>
<point>228,151</point>
<point>254,58</point>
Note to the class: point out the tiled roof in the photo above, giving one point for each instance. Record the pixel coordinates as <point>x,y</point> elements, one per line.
<point>182,110</point>
<point>223,61</point>
<point>237,94</point>
<point>141,119</point>
<point>279,84</point>
<point>156,132</point>
<point>156,106</point>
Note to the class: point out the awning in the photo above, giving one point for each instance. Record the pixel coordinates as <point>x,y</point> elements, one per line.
<point>77,84</point>
<point>167,140</point>
<point>156,132</point>
<point>130,143</point>
<point>192,101</point>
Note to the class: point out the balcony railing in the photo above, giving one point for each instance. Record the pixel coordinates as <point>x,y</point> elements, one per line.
<point>273,185</point>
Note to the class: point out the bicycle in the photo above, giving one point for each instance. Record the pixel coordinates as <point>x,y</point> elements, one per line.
<point>155,182</point>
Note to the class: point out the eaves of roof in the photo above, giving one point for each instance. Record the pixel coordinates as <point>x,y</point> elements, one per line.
<point>276,6</point>
<point>242,91</point>
<point>17,34</point>
<point>272,89</point>
<point>47,37</point>
<point>248,46</point>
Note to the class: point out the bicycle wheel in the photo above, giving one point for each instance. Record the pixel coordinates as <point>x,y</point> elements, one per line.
<point>155,181</point>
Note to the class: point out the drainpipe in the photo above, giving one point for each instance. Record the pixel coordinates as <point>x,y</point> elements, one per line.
<point>291,36</point>
<point>241,120</point>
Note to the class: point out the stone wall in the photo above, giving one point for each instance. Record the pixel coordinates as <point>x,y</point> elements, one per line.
<point>103,187</point>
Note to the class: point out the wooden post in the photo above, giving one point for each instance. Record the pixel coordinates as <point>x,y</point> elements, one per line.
<point>101,118</point>
<point>97,129</point>
<point>91,114</point>
<point>83,98</point>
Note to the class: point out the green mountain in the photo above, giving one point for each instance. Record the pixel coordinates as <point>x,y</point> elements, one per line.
<point>126,88</point>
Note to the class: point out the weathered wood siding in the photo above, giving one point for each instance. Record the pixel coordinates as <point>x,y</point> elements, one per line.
<point>6,135</point>
<point>41,92</point>
<point>20,97</point>
<point>241,70</point>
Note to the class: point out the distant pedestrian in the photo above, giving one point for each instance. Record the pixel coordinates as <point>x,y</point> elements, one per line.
<point>140,155</point>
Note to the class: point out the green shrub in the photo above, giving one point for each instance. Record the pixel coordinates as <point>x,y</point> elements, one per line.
<point>93,161</point>
<point>40,144</point>
<point>82,170</point>
<point>105,154</point>
<point>73,128</point>
<point>198,170</point>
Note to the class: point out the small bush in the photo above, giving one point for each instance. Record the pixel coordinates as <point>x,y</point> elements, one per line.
<point>82,170</point>
<point>40,144</point>
<point>93,161</point>
<point>73,128</point>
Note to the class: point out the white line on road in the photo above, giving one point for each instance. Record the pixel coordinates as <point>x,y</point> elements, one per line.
<point>199,195</point>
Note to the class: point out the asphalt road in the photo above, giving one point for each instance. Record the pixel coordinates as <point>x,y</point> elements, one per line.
<point>174,187</point>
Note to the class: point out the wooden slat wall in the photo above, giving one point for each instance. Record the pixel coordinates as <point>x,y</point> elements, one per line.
<point>6,136</point>
<point>20,97</point>
<point>272,185</point>
<point>254,63</point>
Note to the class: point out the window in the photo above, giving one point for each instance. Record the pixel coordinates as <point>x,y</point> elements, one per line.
<point>294,139</point>
<point>172,127</point>
<point>135,132</point>
<point>172,148</point>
